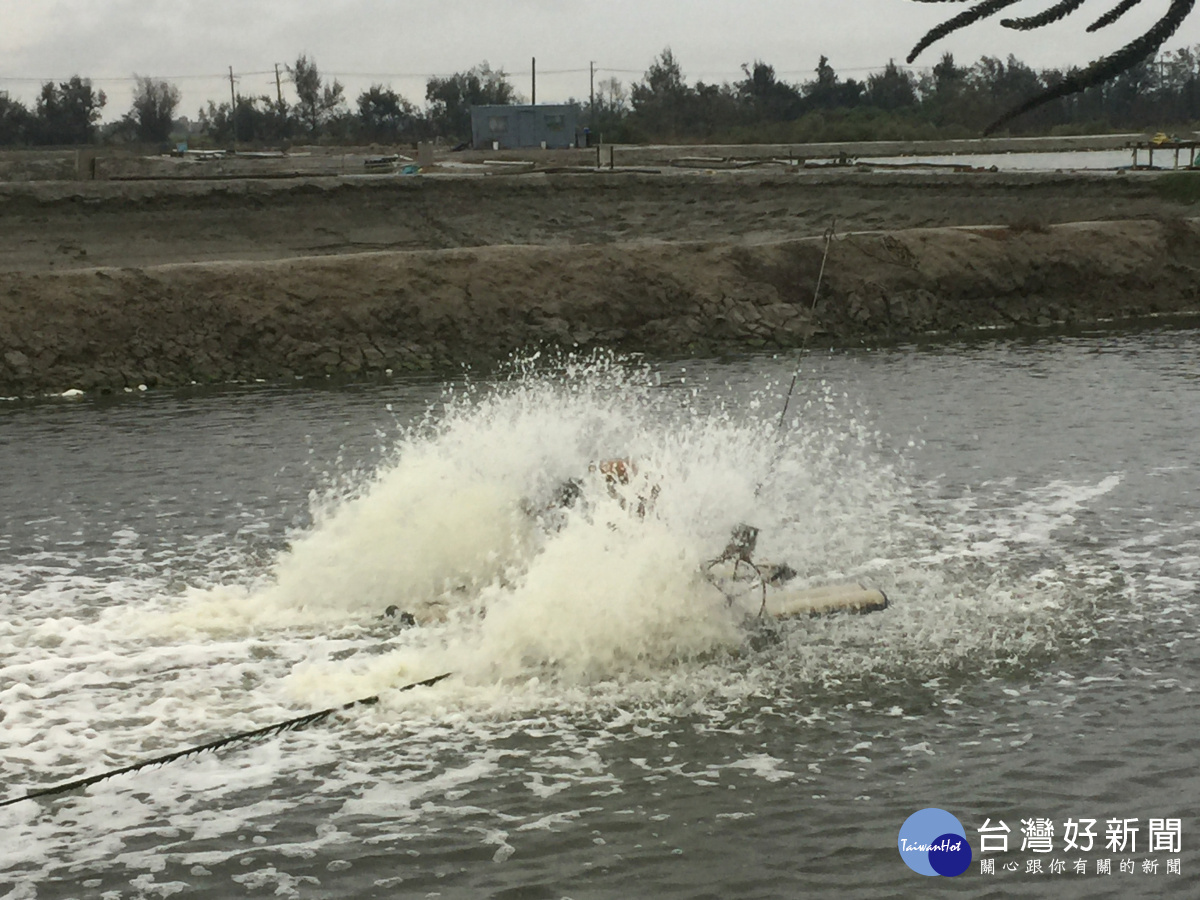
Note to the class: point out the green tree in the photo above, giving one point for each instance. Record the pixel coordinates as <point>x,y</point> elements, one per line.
<point>661,100</point>
<point>947,77</point>
<point>766,97</point>
<point>259,120</point>
<point>319,102</point>
<point>16,122</point>
<point>993,86</point>
<point>450,99</point>
<point>610,115</point>
<point>942,92</point>
<point>217,121</point>
<point>1181,84</point>
<point>154,104</point>
<point>714,109</point>
<point>383,115</point>
<point>891,89</point>
<point>828,91</point>
<point>67,112</point>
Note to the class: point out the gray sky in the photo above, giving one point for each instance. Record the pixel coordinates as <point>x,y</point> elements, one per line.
<point>400,43</point>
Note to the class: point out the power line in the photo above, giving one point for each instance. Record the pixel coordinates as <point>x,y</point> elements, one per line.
<point>129,78</point>
<point>222,76</point>
<point>272,75</point>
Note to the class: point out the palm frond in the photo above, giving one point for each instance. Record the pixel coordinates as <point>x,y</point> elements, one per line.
<point>1108,67</point>
<point>1059,10</point>
<point>962,20</point>
<point>1113,14</point>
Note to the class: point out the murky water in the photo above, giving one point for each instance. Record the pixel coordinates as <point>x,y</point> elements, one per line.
<point>174,568</point>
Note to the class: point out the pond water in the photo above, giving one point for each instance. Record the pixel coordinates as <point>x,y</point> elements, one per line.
<point>1071,160</point>
<point>175,567</point>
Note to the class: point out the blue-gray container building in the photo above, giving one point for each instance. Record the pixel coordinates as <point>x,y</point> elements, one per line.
<point>519,127</point>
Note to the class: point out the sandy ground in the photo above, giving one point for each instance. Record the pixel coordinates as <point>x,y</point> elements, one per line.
<point>51,226</point>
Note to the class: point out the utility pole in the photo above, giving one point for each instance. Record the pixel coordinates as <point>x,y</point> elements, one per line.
<point>535,81</point>
<point>278,86</point>
<point>592,96</point>
<point>233,107</point>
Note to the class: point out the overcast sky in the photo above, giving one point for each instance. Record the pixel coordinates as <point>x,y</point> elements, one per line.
<point>400,43</point>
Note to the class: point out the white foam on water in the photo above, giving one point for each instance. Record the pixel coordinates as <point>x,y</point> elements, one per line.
<point>450,530</point>
<point>520,606</point>
<point>584,626</point>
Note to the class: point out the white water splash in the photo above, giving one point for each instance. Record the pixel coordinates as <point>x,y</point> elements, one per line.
<point>581,628</point>
<point>460,529</point>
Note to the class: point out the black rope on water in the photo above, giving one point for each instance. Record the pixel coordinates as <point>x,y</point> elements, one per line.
<point>295,724</point>
<point>829,235</point>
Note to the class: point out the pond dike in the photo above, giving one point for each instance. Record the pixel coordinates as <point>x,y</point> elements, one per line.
<point>363,314</point>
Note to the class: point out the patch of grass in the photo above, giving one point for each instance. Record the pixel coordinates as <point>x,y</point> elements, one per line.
<point>1179,187</point>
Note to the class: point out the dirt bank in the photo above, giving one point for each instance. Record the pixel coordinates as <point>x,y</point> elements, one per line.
<point>63,225</point>
<point>76,163</point>
<point>109,328</point>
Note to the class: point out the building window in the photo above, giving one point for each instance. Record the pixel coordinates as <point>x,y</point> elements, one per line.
<point>556,123</point>
<point>498,124</point>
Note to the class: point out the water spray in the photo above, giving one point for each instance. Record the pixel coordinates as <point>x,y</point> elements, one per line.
<point>739,552</point>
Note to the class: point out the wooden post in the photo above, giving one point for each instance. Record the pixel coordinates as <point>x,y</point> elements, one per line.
<point>534,103</point>
<point>592,96</point>
<point>85,165</point>
<point>278,86</point>
<point>232,108</point>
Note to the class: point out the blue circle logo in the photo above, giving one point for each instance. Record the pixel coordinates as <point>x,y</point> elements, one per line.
<point>933,842</point>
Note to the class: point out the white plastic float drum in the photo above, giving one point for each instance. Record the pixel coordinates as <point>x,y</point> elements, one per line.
<point>853,597</point>
<point>742,586</point>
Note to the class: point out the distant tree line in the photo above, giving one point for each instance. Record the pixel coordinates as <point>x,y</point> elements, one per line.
<point>894,103</point>
<point>65,113</point>
<point>379,115</point>
<point>69,113</point>
<point>948,100</point>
